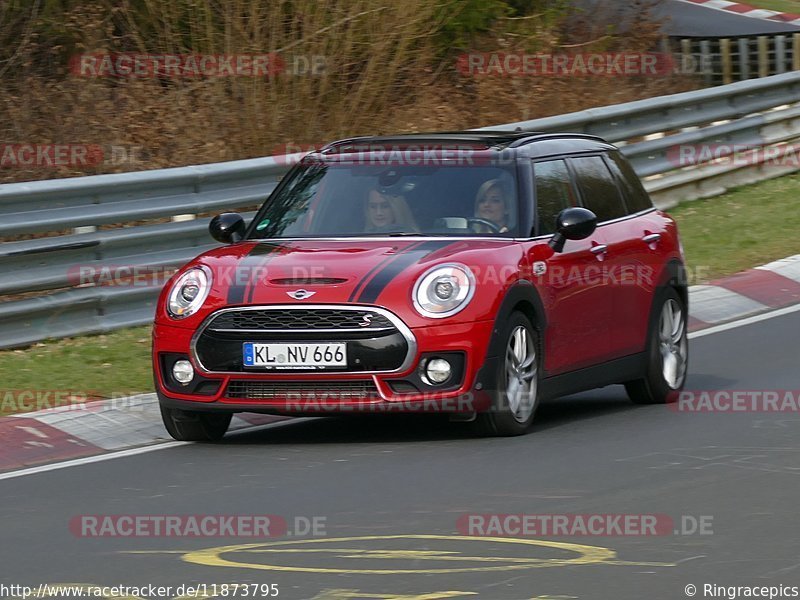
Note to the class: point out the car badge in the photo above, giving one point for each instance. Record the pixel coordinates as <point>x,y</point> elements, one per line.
<point>300,294</point>
<point>367,320</point>
<point>539,268</point>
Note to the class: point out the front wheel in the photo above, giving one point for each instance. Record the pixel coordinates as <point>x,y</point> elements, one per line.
<point>667,353</point>
<point>516,398</point>
<point>195,426</point>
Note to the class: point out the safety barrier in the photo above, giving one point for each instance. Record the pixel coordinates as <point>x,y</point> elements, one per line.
<point>96,221</point>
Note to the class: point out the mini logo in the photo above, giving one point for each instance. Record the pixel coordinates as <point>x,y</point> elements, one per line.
<point>300,294</point>
<point>367,320</point>
<point>539,268</point>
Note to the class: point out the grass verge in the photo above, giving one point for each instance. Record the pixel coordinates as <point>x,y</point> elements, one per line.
<point>98,366</point>
<point>786,6</point>
<point>746,227</point>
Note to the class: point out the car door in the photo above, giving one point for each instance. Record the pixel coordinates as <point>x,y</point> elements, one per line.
<point>635,243</point>
<point>601,194</point>
<point>579,309</point>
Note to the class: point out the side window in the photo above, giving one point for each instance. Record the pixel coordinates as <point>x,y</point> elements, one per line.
<point>636,197</point>
<point>598,189</point>
<point>554,193</point>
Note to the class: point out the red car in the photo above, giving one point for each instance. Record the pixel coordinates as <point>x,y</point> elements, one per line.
<point>472,273</point>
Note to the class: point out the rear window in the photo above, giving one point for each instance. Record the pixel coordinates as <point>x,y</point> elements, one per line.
<point>598,188</point>
<point>636,197</point>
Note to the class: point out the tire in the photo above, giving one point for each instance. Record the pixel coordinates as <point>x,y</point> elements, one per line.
<point>667,352</point>
<point>516,398</point>
<point>195,426</point>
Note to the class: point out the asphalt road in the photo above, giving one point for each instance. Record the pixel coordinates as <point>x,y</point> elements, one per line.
<point>592,453</point>
<point>684,18</point>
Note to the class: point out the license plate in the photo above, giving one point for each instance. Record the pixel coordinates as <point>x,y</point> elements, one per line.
<point>295,355</point>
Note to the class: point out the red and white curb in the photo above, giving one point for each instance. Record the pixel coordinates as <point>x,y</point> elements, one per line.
<point>104,426</point>
<point>746,10</point>
<point>96,427</point>
<point>768,287</point>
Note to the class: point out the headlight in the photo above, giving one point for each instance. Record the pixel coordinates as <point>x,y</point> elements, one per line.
<point>189,292</point>
<point>443,291</point>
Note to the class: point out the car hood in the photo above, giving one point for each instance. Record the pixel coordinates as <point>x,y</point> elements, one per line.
<point>329,271</point>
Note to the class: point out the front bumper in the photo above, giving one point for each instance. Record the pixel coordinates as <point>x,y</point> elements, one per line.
<point>326,393</point>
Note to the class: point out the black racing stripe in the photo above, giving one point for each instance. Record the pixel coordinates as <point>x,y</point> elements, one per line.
<point>259,254</point>
<point>253,284</point>
<point>374,288</point>
<point>380,264</point>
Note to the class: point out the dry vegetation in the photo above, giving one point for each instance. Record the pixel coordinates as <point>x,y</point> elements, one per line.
<point>390,68</point>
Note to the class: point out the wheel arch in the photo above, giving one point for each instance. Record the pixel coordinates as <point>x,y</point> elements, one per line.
<point>522,296</point>
<point>674,275</point>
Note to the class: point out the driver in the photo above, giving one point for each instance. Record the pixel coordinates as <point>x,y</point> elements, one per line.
<point>492,204</point>
<point>386,212</point>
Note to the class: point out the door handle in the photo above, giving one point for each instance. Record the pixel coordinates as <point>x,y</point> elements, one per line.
<point>599,249</point>
<point>652,238</point>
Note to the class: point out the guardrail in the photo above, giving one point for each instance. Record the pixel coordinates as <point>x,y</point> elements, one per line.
<point>45,297</point>
<point>729,59</point>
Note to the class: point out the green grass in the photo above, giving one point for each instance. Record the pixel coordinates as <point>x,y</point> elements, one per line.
<point>103,366</point>
<point>746,227</point>
<point>787,6</point>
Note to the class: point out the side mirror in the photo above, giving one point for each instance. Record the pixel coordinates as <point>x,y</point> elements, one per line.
<point>573,224</point>
<point>227,228</point>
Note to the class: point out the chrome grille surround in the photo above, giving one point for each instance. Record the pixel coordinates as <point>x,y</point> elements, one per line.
<point>389,317</point>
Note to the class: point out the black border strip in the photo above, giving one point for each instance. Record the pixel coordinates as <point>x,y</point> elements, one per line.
<point>371,291</point>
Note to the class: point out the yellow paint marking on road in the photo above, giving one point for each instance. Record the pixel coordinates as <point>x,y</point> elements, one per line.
<point>583,555</point>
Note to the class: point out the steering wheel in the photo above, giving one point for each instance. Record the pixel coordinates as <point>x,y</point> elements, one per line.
<point>476,221</point>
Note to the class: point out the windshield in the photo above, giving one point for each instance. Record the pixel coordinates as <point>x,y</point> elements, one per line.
<point>343,200</point>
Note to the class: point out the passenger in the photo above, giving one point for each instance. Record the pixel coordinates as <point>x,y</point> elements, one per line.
<point>492,203</point>
<point>386,212</point>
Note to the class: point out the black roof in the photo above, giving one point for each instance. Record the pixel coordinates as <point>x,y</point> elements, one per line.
<point>489,138</point>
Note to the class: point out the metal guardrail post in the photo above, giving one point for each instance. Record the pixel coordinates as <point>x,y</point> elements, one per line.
<point>796,52</point>
<point>688,63</point>
<point>744,59</point>
<point>707,62</point>
<point>763,56</point>
<point>780,54</point>
<point>725,51</point>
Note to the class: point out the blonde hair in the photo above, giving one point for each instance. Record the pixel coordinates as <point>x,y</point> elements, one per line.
<point>400,210</point>
<point>500,185</point>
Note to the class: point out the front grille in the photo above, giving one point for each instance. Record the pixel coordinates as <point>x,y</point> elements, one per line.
<point>309,390</point>
<point>304,319</point>
<point>376,342</point>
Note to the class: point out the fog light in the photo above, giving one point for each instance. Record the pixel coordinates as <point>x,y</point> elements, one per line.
<point>438,370</point>
<point>182,371</point>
